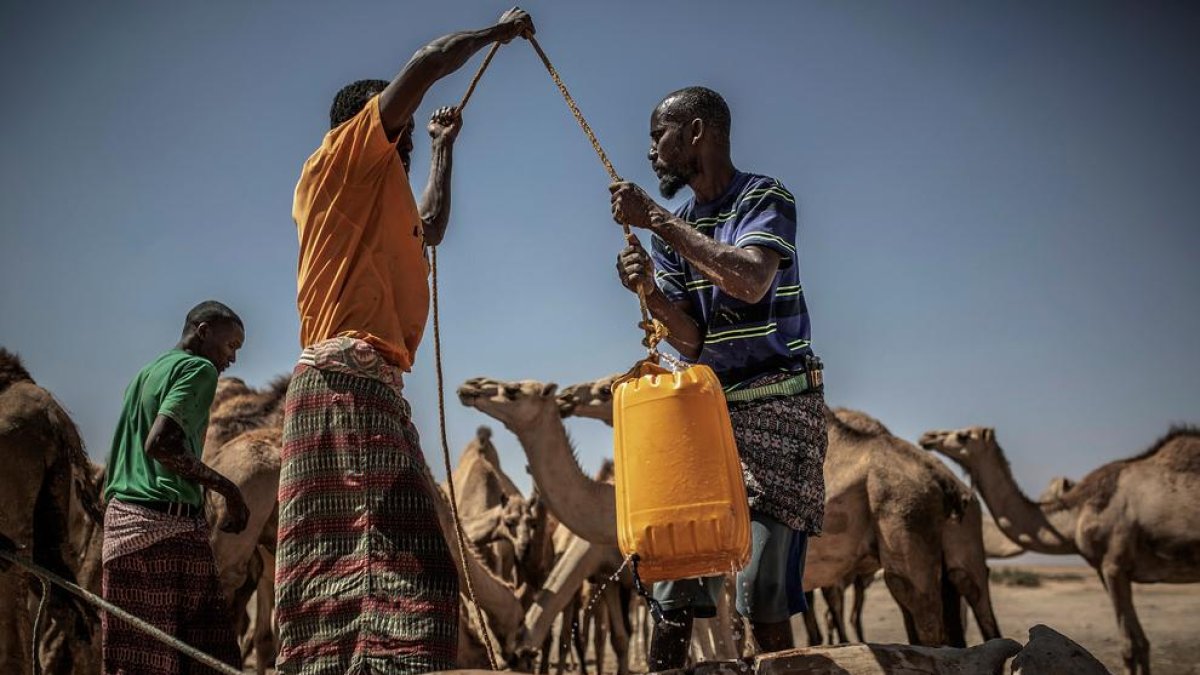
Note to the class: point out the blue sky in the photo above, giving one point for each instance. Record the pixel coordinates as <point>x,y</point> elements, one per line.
<point>998,201</point>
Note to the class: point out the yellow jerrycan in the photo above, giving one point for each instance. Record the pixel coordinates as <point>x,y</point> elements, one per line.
<point>681,501</point>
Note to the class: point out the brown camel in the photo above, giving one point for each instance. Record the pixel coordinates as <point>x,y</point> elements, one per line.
<point>873,500</point>
<point>480,485</point>
<point>62,651</point>
<point>237,408</point>
<point>44,460</point>
<point>963,549</point>
<point>1133,520</point>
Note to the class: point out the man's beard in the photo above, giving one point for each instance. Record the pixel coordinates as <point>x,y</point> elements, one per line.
<point>671,182</point>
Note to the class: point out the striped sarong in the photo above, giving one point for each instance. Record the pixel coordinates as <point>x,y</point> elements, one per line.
<point>160,568</point>
<point>364,579</point>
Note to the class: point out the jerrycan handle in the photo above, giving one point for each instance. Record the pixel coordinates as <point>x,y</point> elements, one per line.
<point>647,366</point>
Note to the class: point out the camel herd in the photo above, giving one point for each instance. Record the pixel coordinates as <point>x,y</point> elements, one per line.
<point>538,561</point>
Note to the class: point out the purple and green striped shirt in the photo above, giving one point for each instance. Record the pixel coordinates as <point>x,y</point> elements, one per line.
<point>743,341</point>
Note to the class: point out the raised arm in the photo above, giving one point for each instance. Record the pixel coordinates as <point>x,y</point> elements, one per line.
<point>435,203</point>
<point>439,58</point>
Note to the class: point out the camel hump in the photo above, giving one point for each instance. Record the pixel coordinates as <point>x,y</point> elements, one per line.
<point>11,369</point>
<point>1178,451</point>
<point>860,421</point>
<point>83,473</point>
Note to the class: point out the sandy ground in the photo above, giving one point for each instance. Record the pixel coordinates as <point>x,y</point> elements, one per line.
<point>1070,600</point>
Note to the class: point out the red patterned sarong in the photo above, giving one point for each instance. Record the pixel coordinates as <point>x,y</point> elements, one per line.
<point>160,568</point>
<point>364,579</point>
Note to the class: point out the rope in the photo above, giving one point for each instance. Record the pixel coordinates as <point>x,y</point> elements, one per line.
<point>113,610</point>
<point>655,330</point>
<point>459,535</point>
<point>487,61</point>
<point>37,627</point>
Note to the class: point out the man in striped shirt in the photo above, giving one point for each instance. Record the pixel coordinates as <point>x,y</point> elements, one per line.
<point>724,277</point>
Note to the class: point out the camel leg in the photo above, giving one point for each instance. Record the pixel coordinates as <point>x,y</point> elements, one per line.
<point>580,627</point>
<point>835,612</point>
<point>912,563</point>
<point>967,563</point>
<point>953,612</point>
<point>544,662</point>
<point>860,597</point>
<point>14,618</point>
<point>1135,647</point>
<point>264,634</point>
<point>601,622</point>
<point>810,621</point>
<point>565,628</point>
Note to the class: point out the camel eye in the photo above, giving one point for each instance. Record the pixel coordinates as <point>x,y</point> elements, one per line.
<point>511,391</point>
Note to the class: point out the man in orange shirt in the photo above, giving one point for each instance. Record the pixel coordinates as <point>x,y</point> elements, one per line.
<point>364,578</point>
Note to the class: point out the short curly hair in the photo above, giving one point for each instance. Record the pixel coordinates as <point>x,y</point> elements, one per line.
<point>698,102</point>
<point>351,98</point>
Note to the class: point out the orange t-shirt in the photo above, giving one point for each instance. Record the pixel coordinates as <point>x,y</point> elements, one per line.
<point>362,271</point>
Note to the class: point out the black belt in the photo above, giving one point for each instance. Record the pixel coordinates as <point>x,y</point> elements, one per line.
<point>172,508</point>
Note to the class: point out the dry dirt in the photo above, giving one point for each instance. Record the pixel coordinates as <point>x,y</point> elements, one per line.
<point>1070,600</point>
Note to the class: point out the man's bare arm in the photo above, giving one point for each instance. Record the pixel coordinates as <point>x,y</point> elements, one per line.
<point>439,58</point>
<point>746,273</point>
<point>435,202</point>
<point>165,445</point>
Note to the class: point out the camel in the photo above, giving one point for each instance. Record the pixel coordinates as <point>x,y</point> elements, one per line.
<point>1133,520</point>
<point>873,500</point>
<point>481,484</point>
<point>962,544</point>
<point>44,461</point>
<point>237,408</point>
<point>61,651</point>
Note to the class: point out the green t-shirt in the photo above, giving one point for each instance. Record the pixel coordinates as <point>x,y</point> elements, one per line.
<point>180,386</point>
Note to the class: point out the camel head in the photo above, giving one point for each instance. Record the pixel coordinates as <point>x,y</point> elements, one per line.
<point>589,399</point>
<point>519,521</point>
<point>1059,486</point>
<point>516,404</point>
<point>971,447</point>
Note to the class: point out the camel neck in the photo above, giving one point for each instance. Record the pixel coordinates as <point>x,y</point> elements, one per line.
<point>585,506</point>
<point>1021,520</point>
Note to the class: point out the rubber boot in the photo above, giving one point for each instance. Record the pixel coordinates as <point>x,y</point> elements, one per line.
<point>773,637</point>
<point>670,641</point>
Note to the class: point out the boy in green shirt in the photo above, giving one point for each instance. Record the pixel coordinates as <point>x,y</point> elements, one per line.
<point>157,559</point>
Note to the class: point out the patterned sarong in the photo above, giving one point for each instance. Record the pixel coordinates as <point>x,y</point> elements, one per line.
<point>781,442</point>
<point>160,568</point>
<point>364,579</point>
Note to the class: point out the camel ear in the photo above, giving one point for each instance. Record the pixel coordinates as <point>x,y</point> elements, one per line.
<point>549,389</point>
<point>989,434</point>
